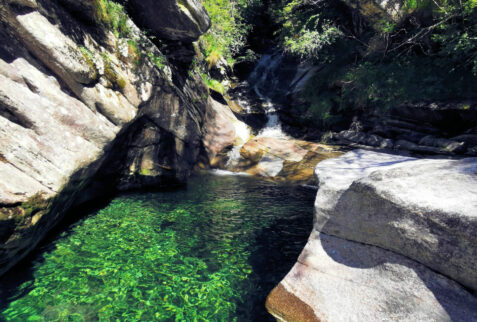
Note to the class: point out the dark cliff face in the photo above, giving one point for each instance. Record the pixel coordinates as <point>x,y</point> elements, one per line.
<point>88,106</point>
<point>184,20</point>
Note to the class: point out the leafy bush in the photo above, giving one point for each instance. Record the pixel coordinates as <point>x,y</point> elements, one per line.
<point>308,29</point>
<point>229,28</point>
<point>114,16</point>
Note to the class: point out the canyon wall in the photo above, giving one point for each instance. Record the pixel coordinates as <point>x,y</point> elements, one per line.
<point>88,106</point>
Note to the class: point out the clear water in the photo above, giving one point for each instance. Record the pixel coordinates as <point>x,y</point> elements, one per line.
<point>208,252</point>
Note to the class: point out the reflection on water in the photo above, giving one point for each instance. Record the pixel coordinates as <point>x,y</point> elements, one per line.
<point>211,252</point>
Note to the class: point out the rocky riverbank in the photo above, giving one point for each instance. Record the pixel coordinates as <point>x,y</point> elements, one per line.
<point>393,238</point>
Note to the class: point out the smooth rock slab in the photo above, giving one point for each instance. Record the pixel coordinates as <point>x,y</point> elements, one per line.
<point>339,280</point>
<point>425,209</point>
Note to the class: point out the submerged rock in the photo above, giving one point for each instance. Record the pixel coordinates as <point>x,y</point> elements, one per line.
<point>283,159</point>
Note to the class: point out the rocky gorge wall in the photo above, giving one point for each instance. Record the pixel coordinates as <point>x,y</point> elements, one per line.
<point>88,105</point>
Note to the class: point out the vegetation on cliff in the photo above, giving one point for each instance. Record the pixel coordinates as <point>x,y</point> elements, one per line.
<point>429,55</point>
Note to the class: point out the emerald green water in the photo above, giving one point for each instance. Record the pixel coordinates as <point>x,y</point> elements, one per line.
<point>208,252</point>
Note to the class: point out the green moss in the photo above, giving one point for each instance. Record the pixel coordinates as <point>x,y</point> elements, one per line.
<point>213,83</point>
<point>35,203</point>
<point>145,172</point>
<point>134,51</point>
<point>111,75</point>
<point>88,56</point>
<point>121,82</point>
<point>159,60</point>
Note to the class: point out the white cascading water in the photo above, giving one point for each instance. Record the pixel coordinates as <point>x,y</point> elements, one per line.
<point>259,79</point>
<point>262,78</point>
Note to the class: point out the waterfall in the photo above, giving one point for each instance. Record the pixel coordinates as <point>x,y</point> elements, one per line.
<point>264,81</point>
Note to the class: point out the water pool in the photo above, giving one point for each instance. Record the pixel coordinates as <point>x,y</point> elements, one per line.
<point>209,252</point>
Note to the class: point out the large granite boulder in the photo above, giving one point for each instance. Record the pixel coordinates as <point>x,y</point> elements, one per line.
<point>82,114</point>
<point>339,280</point>
<point>424,209</point>
<point>184,20</point>
<point>393,240</point>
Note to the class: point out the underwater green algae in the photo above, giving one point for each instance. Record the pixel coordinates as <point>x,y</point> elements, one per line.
<point>210,252</point>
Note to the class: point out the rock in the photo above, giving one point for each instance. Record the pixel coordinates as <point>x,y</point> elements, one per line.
<point>469,139</point>
<point>184,20</point>
<point>220,70</point>
<point>86,9</point>
<point>222,130</point>
<point>447,145</point>
<point>447,117</point>
<point>424,149</point>
<point>472,151</point>
<point>46,134</point>
<point>339,280</point>
<point>424,209</point>
<point>352,136</point>
<point>377,11</point>
<point>53,48</point>
<point>25,3</point>
<point>73,126</point>
<point>282,159</point>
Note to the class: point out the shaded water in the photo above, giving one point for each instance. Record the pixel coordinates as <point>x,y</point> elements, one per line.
<point>210,252</point>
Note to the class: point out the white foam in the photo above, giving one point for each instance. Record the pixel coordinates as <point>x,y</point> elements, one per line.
<point>219,172</point>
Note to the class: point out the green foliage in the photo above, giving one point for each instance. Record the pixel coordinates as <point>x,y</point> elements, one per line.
<point>213,83</point>
<point>411,80</point>
<point>159,60</point>
<point>382,85</point>
<point>430,56</point>
<point>114,16</point>
<point>226,37</point>
<point>308,31</point>
<point>386,26</point>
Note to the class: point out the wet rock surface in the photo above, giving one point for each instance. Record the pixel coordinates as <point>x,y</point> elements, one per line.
<point>283,159</point>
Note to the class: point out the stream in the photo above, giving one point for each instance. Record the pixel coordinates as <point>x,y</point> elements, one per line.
<point>209,252</point>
